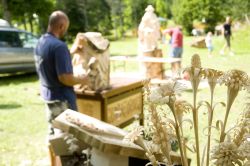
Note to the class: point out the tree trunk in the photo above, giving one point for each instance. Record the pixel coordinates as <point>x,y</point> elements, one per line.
<point>247,19</point>
<point>31,24</point>
<point>24,23</point>
<point>6,12</point>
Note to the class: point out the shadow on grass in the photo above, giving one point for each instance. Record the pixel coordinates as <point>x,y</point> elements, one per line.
<point>10,106</point>
<point>6,79</point>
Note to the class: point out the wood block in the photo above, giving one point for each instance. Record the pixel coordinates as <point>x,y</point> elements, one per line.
<point>107,159</point>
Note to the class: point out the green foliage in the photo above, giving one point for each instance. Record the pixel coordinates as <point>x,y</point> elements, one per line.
<point>211,11</point>
<point>76,12</point>
<point>186,11</point>
<point>1,10</point>
<point>183,15</point>
<point>23,11</point>
<point>163,8</point>
<point>236,8</point>
<point>87,15</point>
<point>120,15</point>
<point>127,14</point>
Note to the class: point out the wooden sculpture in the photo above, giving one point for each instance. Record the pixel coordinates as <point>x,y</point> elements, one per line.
<point>91,57</point>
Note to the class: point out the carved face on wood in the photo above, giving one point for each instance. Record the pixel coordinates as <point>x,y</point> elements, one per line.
<point>91,57</point>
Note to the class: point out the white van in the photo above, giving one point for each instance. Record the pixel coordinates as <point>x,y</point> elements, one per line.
<point>16,49</point>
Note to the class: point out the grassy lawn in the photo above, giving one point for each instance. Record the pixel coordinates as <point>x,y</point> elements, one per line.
<point>23,124</point>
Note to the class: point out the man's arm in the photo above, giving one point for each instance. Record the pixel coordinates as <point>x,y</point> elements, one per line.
<point>168,31</point>
<point>71,80</point>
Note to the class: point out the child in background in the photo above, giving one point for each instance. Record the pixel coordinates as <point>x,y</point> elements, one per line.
<point>209,45</point>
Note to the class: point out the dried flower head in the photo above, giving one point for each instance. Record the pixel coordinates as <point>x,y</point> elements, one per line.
<point>196,61</point>
<point>133,135</point>
<point>243,127</point>
<point>181,107</point>
<point>195,72</point>
<point>212,76</point>
<point>244,150</point>
<point>226,153</point>
<point>163,93</point>
<point>235,79</point>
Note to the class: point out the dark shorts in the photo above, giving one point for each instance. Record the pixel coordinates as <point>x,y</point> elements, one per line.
<point>227,37</point>
<point>176,52</point>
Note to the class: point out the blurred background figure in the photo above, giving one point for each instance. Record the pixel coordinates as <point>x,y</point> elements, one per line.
<point>227,32</point>
<point>209,43</point>
<point>176,48</point>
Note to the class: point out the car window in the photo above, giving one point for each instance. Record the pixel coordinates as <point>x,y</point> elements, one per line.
<point>28,40</point>
<point>10,39</point>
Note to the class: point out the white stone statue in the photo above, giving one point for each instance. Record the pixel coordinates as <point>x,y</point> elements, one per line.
<point>91,57</point>
<point>148,31</point>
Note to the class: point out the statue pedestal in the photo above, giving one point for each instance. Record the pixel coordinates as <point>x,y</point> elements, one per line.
<point>154,70</point>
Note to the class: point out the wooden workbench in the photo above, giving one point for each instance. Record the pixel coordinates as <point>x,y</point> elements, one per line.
<point>118,105</point>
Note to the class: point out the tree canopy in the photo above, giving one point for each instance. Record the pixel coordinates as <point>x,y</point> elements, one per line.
<point>118,16</point>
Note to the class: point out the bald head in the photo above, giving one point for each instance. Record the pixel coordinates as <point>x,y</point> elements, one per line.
<point>58,23</point>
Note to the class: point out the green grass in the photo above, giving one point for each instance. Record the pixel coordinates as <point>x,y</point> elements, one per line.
<point>22,121</point>
<point>23,125</point>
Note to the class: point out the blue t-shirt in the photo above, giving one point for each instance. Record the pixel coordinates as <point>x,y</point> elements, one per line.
<point>53,59</point>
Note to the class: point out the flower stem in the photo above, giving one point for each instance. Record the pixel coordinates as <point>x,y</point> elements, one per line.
<point>210,120</point>
<point>231,95</point>
<point>196,128</point>
<point>179,137</point>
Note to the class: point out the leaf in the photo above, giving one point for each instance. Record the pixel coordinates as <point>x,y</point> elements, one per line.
<point>205,103</point>
<point>219,125</point>
<point>219,103</point>
<point>207,128</point>
<point>189,121</point>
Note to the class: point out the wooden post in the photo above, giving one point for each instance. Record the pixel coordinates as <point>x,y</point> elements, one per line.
<point>54,160</point>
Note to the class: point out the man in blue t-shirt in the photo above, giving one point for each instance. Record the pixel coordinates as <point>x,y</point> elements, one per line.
<point>54,68</point>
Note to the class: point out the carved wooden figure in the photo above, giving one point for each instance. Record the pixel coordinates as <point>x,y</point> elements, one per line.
<point>91,57</point>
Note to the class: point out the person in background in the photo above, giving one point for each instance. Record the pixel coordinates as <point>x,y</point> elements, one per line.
<point>209,44</point>
<point>227,32</point>
<point>176,43</point>
<point>54,68</point>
